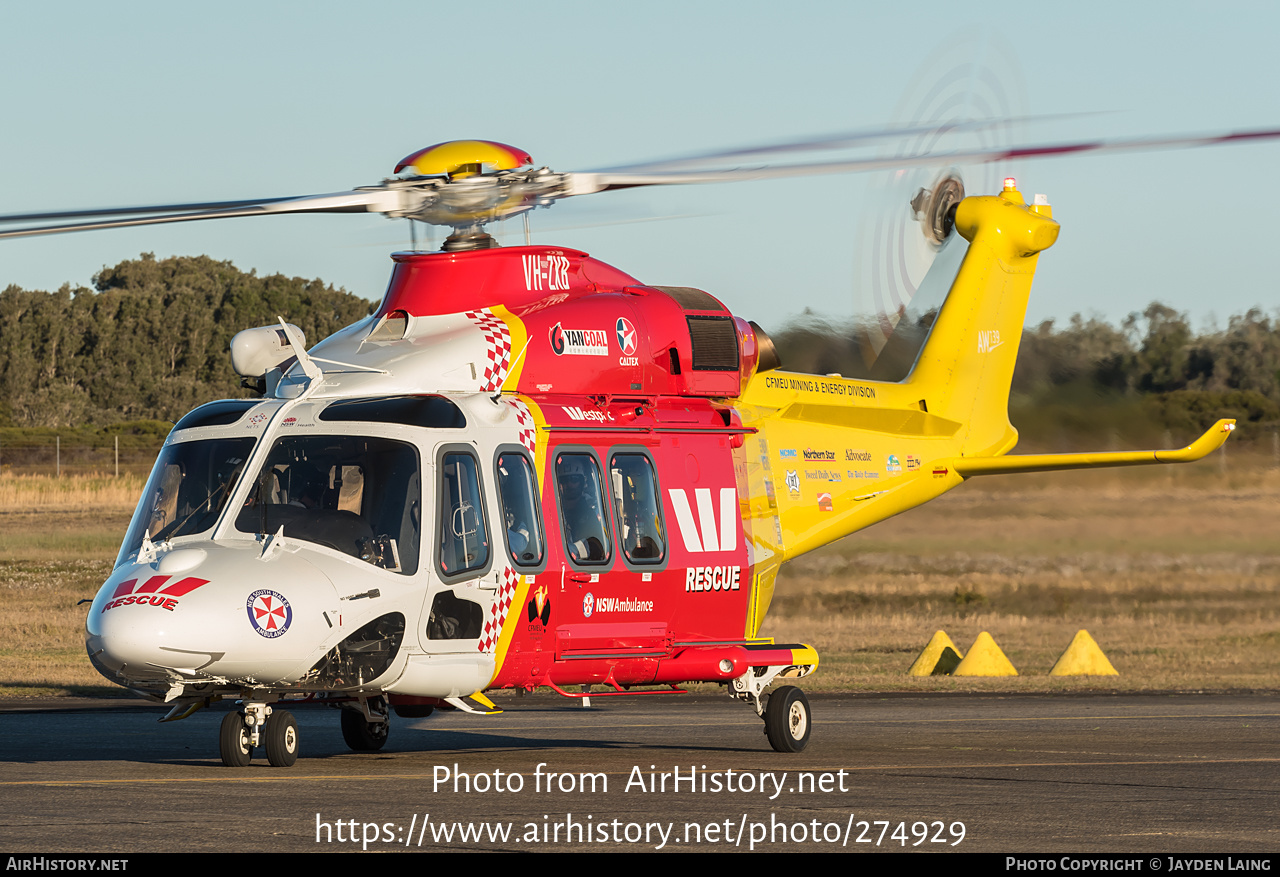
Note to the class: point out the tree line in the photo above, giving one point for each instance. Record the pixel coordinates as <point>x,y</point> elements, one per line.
<point>1149,379</point>
<point>149,341</point>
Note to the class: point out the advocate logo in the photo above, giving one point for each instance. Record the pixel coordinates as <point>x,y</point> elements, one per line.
<point>579,342</point>
<point>811,455</point>
<point>860,455</point>
<point>152,593</point>
<point>269,613</point>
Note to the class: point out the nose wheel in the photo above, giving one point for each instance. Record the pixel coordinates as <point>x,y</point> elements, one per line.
<point>234,741</point>
<point>281,732</point>
<point>258,725</point>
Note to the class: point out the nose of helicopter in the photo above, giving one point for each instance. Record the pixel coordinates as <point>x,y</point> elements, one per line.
<point>142,625</point>
<point>196,614</point>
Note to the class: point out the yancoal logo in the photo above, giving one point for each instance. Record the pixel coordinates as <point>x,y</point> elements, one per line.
<point>579,342</point>
<point>269,613</point>
<point>702,536</point>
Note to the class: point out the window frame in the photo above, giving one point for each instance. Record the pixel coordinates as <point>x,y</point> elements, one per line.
<point>447,577</point>
<point>606,508</point>
<point>642,565</point>
<point>539,522</point>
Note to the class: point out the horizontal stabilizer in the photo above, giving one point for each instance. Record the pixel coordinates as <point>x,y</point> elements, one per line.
<point>1213,439</point>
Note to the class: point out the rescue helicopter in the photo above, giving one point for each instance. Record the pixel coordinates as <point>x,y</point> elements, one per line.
<point>527,468</point>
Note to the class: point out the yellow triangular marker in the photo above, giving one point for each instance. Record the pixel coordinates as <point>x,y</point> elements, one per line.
<point>1083,658</point>
<point>939,657</point>
<point>985,659</point>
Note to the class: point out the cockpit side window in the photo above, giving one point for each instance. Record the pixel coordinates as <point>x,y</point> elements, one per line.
<point>464,533</point>
<point>358,495</point>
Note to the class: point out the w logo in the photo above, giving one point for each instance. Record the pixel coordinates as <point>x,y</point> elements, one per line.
<point>700,539</point>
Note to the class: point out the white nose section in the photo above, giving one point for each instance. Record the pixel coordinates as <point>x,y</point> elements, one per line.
<point>181,560</point>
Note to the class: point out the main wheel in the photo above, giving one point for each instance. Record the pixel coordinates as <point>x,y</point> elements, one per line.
<point>786,719</point>
<point>363,736</point>
<point>233,741</point>
<point>281,732</point>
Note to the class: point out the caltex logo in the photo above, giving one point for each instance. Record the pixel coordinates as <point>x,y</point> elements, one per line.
<point>269,613</point>
<point>626,336</point>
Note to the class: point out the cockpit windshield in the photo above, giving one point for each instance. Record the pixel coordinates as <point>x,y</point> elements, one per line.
<point>358,495</point>
<point>187,490</point>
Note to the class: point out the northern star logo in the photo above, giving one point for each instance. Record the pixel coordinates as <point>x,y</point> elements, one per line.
<point>696,542</point>
<point>815,455</point>
<point>269,613</point>
<point>579,342</point>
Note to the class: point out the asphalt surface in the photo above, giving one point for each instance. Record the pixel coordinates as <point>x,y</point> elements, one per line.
<point>1182,773</point>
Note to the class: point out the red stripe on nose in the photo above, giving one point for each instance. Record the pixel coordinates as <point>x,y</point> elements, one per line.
<point>184,587</point>
<point>153,584</point>
<point>124,588</point>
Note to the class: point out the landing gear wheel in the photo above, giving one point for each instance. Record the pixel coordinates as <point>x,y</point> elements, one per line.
<point>233,741</point>
<point>363,736</point>
<point>786,719</point>
<point>281,732</point>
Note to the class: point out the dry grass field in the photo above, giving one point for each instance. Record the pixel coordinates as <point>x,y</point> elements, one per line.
<point>1175,572</point>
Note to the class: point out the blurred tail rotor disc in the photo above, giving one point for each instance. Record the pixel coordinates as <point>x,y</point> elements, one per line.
<point>911,211</point>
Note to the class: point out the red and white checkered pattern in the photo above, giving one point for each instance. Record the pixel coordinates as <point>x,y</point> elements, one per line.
<point>497,348</point>
<point>527,430</point>
<point>498,614</point>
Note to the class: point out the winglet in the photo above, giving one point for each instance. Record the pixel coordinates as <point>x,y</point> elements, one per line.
<point>1213,439</point>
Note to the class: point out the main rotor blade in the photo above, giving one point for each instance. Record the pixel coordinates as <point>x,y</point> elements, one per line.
<point>374,200</point>
<point>133,211</point>
<point>586,183</point>
<point>849,140</point>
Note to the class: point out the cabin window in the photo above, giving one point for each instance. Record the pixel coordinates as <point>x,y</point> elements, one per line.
<point>361,496</point>
<point>519,491</point>
<point>464,536</point>
<point>635,502</point>
<point>582,517</point>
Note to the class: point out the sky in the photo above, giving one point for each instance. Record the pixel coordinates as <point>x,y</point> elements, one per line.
<point>145,103</point>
